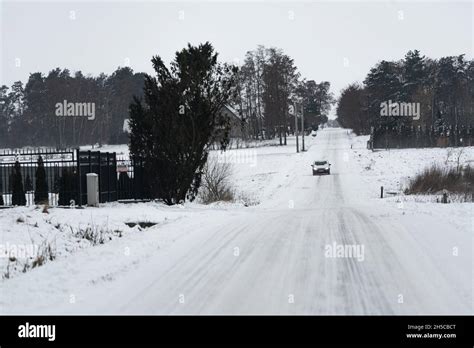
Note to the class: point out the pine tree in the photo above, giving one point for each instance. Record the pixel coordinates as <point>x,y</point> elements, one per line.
<point>41,191</point>
<point>383,85</point>
<point>18,195</point>
<point>35,124</point>
<point>413,74</point>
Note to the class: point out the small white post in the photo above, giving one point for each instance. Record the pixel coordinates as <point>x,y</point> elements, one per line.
<point>92,189</point>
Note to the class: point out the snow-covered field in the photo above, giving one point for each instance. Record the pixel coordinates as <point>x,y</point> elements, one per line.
<point>266,258</point>
<point>393,168</point>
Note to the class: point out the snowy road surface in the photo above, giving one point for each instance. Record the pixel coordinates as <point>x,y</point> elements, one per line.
<point>272,258</point>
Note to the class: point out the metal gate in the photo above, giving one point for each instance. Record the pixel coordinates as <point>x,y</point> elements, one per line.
<point>104,164</point>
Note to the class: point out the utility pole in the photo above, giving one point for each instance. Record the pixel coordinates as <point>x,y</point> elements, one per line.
<point>302,127</point>
<point>295,113</point>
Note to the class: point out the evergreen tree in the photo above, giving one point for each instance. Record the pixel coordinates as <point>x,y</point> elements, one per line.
<point>41,190</point>
<point>18,194</point>
<point>352,109</point>
<point>121,86</point>
<point>34,124</point>
<point>413,74</point>
<point>67,187</point>
<point>28,183</point>
<point>173,129</point>
<point>383,84</point>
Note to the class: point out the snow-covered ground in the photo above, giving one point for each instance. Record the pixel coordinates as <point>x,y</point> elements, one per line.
<point>393,168</point>
<point>412,257</point>
<point>234,144</point>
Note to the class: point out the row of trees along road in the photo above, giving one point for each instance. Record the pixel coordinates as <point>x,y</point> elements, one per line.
<point>267,83</point>
<point>444,88</point>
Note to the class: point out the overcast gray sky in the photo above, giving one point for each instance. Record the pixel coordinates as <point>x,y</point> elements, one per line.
<point>333,41</point>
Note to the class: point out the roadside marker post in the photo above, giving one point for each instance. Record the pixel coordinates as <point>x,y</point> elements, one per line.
<point>302,127</point>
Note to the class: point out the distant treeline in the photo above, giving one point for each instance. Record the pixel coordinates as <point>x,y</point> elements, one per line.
<point>29,114</point>
<point>410,136</point>
<point>66,110</point>
<point>443,89</point>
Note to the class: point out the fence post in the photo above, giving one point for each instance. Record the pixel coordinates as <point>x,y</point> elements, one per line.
<point>114,176</point>
<point>381,191</point>
<point>445,197</point>
<point>78,161</point>
<point>108,176</point>
<point>99,163</point>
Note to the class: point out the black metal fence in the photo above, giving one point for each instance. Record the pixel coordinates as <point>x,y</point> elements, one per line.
<point>66,180</point>
<point>132,183</point>
<point>56,162</point>
<point>384,137</point>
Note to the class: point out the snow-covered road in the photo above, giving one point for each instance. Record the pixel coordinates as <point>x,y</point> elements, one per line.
<point>273,258</point>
